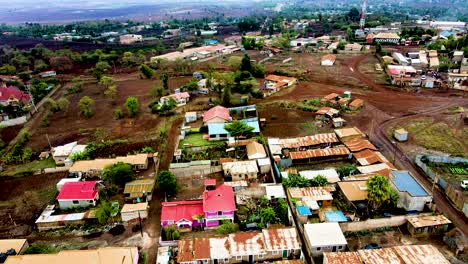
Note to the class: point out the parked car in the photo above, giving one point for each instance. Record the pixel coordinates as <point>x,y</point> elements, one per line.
<point>372,246</point>
<point>464,184</point>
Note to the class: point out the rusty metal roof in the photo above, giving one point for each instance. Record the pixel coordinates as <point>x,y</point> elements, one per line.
<point>420,254</point>
<point>369,157</point>
<point>281,239</point>
<point>379,256</point>
<point>428,220</point>
<point>349,132</point>
<point>246,243</point>
<point>304,141</point>
<point>315,153</point>
<point>194,249</point>
<point>341,258</point>
<point>358,144</point>
<point>316,193</point>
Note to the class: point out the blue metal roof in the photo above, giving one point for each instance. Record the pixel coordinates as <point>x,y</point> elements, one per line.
<point>406,183</point>
<point>335,216</point>
<point>218,128</point>
<point>303,210</point>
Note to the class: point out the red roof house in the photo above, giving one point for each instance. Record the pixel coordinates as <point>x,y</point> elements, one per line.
<point>78,194</point>
<point>183,214</point>
<point>218,204</point>
<point>217,114</point>
<point>12,94</point>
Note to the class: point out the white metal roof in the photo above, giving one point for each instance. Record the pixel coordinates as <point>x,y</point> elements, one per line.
<point>373,168</point>
<point>276,191</point>
<point>64,150</point>
<point>263,162</point>
<point>331,174</point>
<point>241,167</point>
<point>218,249</point>
<point>324,234</point>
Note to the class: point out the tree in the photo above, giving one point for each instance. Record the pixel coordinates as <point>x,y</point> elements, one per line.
<point>192,85</point>
<point>147,149</point>
<point>319,181</point>
<point>235,62</point>
<point>106,82</point>
<point>103,212</point>
<point>165,79</point>
<point>239,129</point>
<point>61,63</point>
<point>40,65</point>
<point>167,182</point>
<point>76,85</point>
<point>353,14</point>
<point>281,210</point>
<point>63,104</point>
<point>99,70</point>
<point>111,92</point>
<point>295,180</point>
<point>170,233</point>
<point>246,64</point>
<point>349,34</point>
<point>118,174</point>
<point>128,59</point>
<point>346,170</point>
<point>132,105</point>
<point>157,91</point>
<point>378,191</point>
<point>146,71</point>
<point>7,70</point>
<point>267,216</point>
<point>50,104</point>
<point>86,106</point>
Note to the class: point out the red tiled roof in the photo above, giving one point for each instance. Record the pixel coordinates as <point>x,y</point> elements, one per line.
<point>220,199</point>
<point>176,211</point>
<point>217,111</point>
<point>12,92</point>
<point>78,191</point>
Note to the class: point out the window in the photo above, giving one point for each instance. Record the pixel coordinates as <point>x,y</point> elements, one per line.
<point>75,202</point>
<point>220,212</point>
<point>170,222</point>
<point>318,248</point>
<point>261,256</point>
<point>226,260</point>
<point>340,247</point>
<point>90,201</point>
<point>275,252</point>
<point>238,257</point>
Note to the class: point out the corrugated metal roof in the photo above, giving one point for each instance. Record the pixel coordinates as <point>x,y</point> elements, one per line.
<point>428,220</point>
<point>368,157</point>
<point>315,193</point>
<point>324,234</point>
<point>405,182</point>
<point>219,248</point>
<point>303,141</point>
<point>349,132</point>
<point>374,168</point>
<point>354,190</point>
<point>314,153</point>
<point>139,186</point>
<point>331,174</point>
<point>341,258</point>
<point>240,167</point>
<point>420,254</point>
<point>281,239</point>
<point>358,144</point>
<point>246,243</point>
<point>379,256</point>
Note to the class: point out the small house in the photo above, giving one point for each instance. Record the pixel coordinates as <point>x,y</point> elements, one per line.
<point>65,180</point>
<point>264,165</point>
<point>387,37</point>
<point>324,237</point>
<point>217,114</point>
<point>413,196</point>
<point>47,74</point>
<point>353,47</point>
<point>328,60</point>
<point>400,58</point>
<point>241,170</point>
<point>183,214</point>
<point>62,153</point>
<point>326,113</point>
<point>356,104</point>
<point>128,39</point>
<point>11,95</point>
<point>190,117</point>
<point>179,98</point>
<point>139,190</point>
<point>78,194</point>
<point>275,191</point>
<point>322,195</point>
<point>401,134</point>
<point>338,122</point>
<point>216,131</point>
<point>421,225</point>
<point>353,191</point>
<point>255,150</point>
<point>132,212</point>
<point>273,83</point>
<point>457,56</point>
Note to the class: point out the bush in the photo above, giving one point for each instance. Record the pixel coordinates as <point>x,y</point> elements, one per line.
<point>40,248</point>
<point>227,228</point>
<point>118,113</point>
<point>170,233</point>
<point>119,173</point>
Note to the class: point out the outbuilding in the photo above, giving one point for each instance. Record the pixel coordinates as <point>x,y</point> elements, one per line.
<point>324,237</point>
<point>131,212</point>
<point>328,60</point>
<point>401,134</point>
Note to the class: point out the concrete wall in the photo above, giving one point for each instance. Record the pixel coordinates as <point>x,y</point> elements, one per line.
<point>127,216</point>
<point>195,170</point>
<point>81,203</point>
<point>14,121</point>
<point>373,223</point>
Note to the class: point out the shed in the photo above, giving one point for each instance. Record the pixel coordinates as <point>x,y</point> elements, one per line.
<point>338,122</point>
<point>324,237</point>
<point>328,60</point>
<point>190,117</point>
<point>264,165</point>
<point>401,134</point>
<point>131,212</point>
<point>356,104</point>
<point>428,224</point>
<point>275,191</point>
<point>139,189</point>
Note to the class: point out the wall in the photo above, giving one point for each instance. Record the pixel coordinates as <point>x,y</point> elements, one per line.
<point>195,170</point>
<point>14,121</point>
<point>373,223</point>
<point>69,203</point>
<point>127,216</point>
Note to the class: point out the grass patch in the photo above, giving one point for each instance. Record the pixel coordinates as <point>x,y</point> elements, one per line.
<point>310,128</point>
<point>197,140</point>
<point>456,109</point>
<point>417,124</point>
<point>440,137</point>
<point>21,169</point>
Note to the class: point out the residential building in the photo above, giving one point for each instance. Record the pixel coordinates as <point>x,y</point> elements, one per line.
<point>353,191</point>
<point>139,190</point>
<point>78,194</point>
<point>195,250</point>
<point>61,154</point>
<point>458,81</point>
<point>216,131</point>
<point>458,56</point>
<point>448,25</point>
<point>121,255</point>
<point>387,37</point>
<point>331,98</point>
<point>241,170</point>
<point>338,122</point>
<point>356,104</point>
<point>95,167</point>
<point>353,47</point>
<point>341,258</point>
<point>278,145</point>
<point>219,250</point>
<point>328,60</point>
<point>255,150</point>
<point>307,156</point>
<point>62,182</point>
<point>183,214</point>
<point>264,165</point>
<point>130,39</point>
<point>47,74</point>
<point>275,191</point>
<point>357,144</point>
<point>321,195</point>
<point>330,174</point>
<point>349,133</point>
<point>192,53</point>
<point>134,212</point>
<point>400,58</point>
<point>11,95</point>
<point>218,205</point>
<point>281,243</point>
<point>217,114</point>
<point>18,245</point>
<point>180,99</point>
<point>413,196</point>
<point>326,113</point>
<point>369,157</point>
<point>428,224</point>
<point>324,237</point>
<point>274,83</point>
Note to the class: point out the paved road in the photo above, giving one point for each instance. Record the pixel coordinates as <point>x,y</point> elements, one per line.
<point>442,203</point>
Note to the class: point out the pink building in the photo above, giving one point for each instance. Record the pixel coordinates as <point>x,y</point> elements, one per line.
<point>183,214</point>
<point>218,205</point>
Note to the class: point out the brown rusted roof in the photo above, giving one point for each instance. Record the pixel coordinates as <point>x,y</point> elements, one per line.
<point>354,190</point>
<point>193,250</point>
<point>291,261</point>
<point>358,144</point>
<point>341,258</point>
<point>428,220</point>
<point>420,254</point>
<point>246,243</point>
<point>349,132</point>
<point>326,109</point>
<point>316,193</point>
<point>306,141</point>
<point>329,97</point>
<point>315,153</point>
<point>368,157</point>
<point>379,256</point>
<point>356,103</point>
<point>281,239</point>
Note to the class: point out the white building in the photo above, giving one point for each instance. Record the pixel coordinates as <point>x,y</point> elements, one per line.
<point>324,237</point>
<point>413,196</point>
<point>131,212</point>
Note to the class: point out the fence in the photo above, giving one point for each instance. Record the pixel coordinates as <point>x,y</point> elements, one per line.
<point>373,223</point>
<point>15,121</point>
<point>52,170</point>
<point>188,169</point>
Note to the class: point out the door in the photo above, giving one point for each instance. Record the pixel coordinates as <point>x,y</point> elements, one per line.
<point>285,254</point>
<point>251,259</point>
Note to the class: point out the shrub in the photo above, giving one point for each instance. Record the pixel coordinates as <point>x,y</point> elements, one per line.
<point>227,228</point>
<point>118,113</point>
